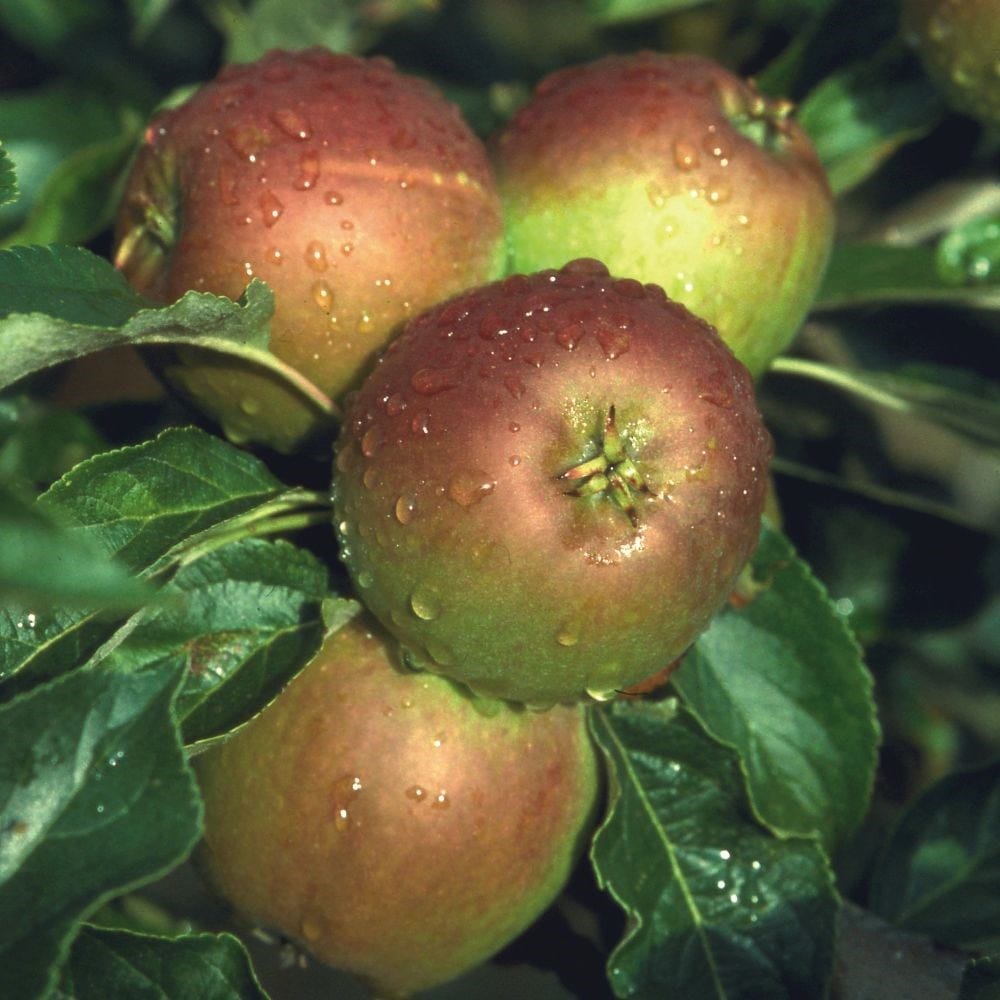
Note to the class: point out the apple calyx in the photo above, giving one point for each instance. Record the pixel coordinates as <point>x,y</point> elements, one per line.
<point>611,472</point>
<point>766,122</point>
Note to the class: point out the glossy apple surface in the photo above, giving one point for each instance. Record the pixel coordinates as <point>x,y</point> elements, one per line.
<point>549,484</point>
<point>380,819</point>
<point>355,191</point>
<point>672,170</point>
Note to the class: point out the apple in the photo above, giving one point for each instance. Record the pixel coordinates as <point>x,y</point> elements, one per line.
<point>959,44</point>
<point>548,485</point>
<point>391,824</point>
<point>355,191</point>
<point>672,170</point>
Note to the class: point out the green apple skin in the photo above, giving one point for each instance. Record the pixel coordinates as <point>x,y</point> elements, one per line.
<point>959,44</point>
<point>355,191</point>
<point>672,170</point>
<point>463,517</point>
<point>380,819</point>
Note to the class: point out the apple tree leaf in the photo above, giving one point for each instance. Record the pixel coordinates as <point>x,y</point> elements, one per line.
<point>866,274</point>
<point>781,680</point>
<point>39,442</point>
<point>146,14</point>
<point>135,505</point>
<point>859,116</point>
<point>622,11</point>
<point>45,126</point>
<point>717,907</point>
<point>95,798</point>
<point>241,621</point>
<point>349,26</point>
<point>141,500</point>
<point>964,402</point>
<point>80,196</point>
<point>42,563</point>
<point>118,963</point>
<point>59,303</point>
<point>940,871</point>
<point>837,31</point>
<point>8,178</point>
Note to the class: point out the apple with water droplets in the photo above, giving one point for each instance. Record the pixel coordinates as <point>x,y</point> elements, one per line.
<point>672,170</point>
<point>357,192</point>
<point>959,44</point>
<point>548,485</point>
<point>391,824</point>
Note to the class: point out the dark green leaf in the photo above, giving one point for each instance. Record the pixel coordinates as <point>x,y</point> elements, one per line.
<point>140,501</point>
<point>8,178</point>
<point>61,283</point>
<point>349,26</point>
<point>717,907</point>
<point>621,11</point>
<point>43,26</point>
<point>95,798</point>
<point>861,115</point>
<point>42,563</point>
<point>964,402</point>
<point>105,963</point>
<point>981,980</point>
<point>58,303</point>
<point>44,127</point>
<point>136,504</point>
<point>781,679</point>
<point>940,871</point>
<point>241,621</point>
<point>146,14</point>
<point>839,30</point>
<point>80,196</point>
<point>39,442</point>
<point>864,274</point>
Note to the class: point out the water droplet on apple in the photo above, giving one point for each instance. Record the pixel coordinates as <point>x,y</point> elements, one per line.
<point>365,579</point>
<point>294,125</point>
<point>416,793</point>
<point>316,256</point>
<point>404,509</point>
<point>568,336</point>
<point>333,198</point>
<point>308,171</point>
<point>322,295</point>
<point>470,486</point>
<point>424,604</point>
<point>441,800</point>
<point>685,155</point>
<point>431,381</point>
<point>370,441</point>
<point>614,343</point>
<point>567,636</point>
<point>270,208</point>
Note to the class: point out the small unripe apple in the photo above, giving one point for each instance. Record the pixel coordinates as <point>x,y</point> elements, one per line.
<point>670,169</point>
<point>959,44</point>
<point>388,823</point>
<point>355,191</point>
<point>548,485</point>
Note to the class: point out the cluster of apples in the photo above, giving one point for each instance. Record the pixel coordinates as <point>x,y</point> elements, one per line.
<point>545,483</point>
